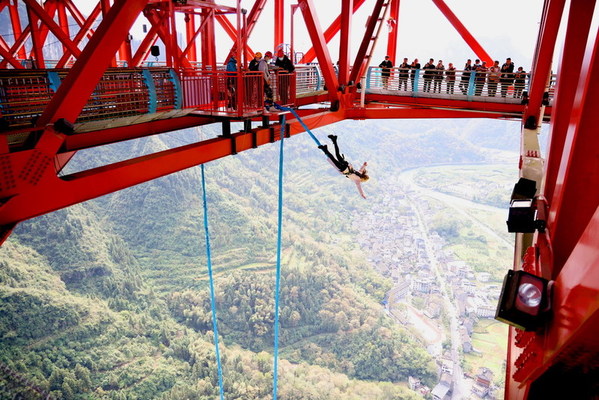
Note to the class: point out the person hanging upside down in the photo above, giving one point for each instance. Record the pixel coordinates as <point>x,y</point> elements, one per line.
<point>344,167</point>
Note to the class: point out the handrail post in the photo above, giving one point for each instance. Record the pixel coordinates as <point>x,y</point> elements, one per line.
<point>471,84</point>
<point>415,83</point>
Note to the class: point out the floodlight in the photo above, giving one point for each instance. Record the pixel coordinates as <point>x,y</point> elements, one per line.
<point>524,300</point>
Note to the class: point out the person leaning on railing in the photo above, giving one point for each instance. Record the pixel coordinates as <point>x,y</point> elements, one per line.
<point>450,74</point>
<point>480,78</point>
<point>507,76</point>
<point>386,65</point>
<point>519,82</point>
<point>263,67</point>
<point>438,77</point>
<point>493,81</point>
<point>465,79</point>
<point>415,67</point>
<point>404,72</point>
<point>283,63</point>
<point>231,83</point>
<point>428,75</point>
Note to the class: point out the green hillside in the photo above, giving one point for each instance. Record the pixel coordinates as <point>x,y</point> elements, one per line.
<point>109,299</point>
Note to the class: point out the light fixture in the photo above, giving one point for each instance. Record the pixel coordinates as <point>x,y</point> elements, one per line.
<point>524,189</point>
<point>524,300</point>
<point>521,217</point>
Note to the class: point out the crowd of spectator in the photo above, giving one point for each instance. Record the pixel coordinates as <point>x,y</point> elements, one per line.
<point>434,74</point>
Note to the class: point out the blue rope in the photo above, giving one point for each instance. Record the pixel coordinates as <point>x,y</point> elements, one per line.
<point>212,299</point>
<point>292,111</point>
<point>278,274</point>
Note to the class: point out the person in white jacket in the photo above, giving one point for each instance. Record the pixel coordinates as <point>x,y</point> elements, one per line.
<point>264,68</point>
<point>344,167</point>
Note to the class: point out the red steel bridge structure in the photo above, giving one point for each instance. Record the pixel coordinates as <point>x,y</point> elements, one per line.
<point>101,88</point>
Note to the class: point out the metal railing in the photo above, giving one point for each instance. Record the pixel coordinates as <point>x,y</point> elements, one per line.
<point>123,92</point>
<point>234,93</point>
<point>24,94</point>
<point>470,85</point>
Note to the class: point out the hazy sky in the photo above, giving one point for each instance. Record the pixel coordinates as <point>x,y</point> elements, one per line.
<point>506,28</point>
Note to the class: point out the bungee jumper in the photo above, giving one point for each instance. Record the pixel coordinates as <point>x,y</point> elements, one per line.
<point>345,167</point>
<point>339,162</point>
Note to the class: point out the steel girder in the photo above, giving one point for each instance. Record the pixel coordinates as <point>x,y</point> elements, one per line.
<point>567,250</point>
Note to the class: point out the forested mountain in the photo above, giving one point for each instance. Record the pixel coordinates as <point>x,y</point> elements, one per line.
<point>109,299</point>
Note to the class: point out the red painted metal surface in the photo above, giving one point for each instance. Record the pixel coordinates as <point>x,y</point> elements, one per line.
<point>579,22</point>
<point>324,58</point>
<point>330,32</point>
<point>466,35</point>
<point>365,51</point>
<point>544,55</point>
<point>568,251</point>
<point>393,25</point>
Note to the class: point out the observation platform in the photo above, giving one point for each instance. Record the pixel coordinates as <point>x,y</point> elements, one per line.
<point>128,96</point>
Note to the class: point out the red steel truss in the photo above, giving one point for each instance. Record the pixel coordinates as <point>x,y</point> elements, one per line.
<point>563,353</point>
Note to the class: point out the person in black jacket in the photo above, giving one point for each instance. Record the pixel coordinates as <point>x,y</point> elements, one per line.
<point>507,76</point>
<point>284,65</point>
<point>438,77</point>
<point>429,73</point>
<point>386,65</point>
<point>415,67</point>
<point>465,79</point>
<point>404,72</point>
<point>519,82</point>
<point>284,62</point>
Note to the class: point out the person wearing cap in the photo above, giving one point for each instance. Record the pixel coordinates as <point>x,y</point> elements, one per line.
<point>255,61</point>
<point>284,67</point>
<point>507,76</point>
<point>263,67</point>
<point>386,66</point>
<point>284,62</point>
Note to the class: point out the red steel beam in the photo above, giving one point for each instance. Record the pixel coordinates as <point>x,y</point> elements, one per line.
<point>75,90</point>
<point>330,32</point>
<point>410,113</point>
<point>579,23</point>
<point>575,317</point>
<point>85,29</point>
<point>362,57</point>
<point>190,31</point>
<point>13,8</point>
<point>49,23</point>
<point>464,33</point>
<point>543,57</point>
<point>576,194</point>
<point>320,46</point>
<point>279,24</point>
<point>36,39</point>
<point>345,40</point>
<point>53,192</point>
<point>393,33</point>
<point>86,140</point>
